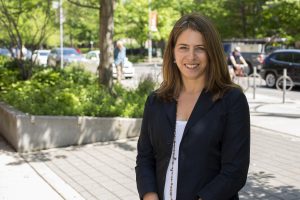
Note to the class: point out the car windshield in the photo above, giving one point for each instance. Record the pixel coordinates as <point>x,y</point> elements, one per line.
<point>69,52</point>
<point>44,53</point>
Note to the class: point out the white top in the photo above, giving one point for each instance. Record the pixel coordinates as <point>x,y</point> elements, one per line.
<point>180,125</point>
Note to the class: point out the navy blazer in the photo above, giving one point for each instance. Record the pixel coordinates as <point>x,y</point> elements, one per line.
<point>214,152</point>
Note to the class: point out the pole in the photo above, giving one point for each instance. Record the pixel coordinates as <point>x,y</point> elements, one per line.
<point>284,85</point>
<point>61,34</point>
<point>254,83</point>
<point>150,39</point>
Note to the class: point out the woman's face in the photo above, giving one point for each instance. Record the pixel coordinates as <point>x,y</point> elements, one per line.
<point>190,55</point>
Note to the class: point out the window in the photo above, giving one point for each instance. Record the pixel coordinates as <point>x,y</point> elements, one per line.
<point>285,57</point>
<point>44,54</point>
<point>296,57</point>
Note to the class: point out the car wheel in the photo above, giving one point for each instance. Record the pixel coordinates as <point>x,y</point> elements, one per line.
<point>270,80</point>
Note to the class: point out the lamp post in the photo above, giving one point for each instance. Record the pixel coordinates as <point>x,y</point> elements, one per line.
<point>149,39</point>
<point>56,5</point>
<point>61,29</point>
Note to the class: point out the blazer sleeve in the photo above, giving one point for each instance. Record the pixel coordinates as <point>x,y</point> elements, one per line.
<point>235,151</point>
<point>145,161</point>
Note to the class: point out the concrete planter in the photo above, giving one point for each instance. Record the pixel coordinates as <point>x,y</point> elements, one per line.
<point>31,132</point>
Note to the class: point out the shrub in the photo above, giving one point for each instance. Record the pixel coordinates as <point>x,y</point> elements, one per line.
<point>3,60</point>
<point>72,91</point>
<point>8,74</point>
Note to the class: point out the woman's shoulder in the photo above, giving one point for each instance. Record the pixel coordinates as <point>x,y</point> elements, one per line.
<point>153,98</point>
<point>233,94</point>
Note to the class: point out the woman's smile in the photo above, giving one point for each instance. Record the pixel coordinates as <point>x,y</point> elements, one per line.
<point>191,66</point>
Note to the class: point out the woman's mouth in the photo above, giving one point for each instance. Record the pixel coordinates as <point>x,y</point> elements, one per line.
<point>191,66</point>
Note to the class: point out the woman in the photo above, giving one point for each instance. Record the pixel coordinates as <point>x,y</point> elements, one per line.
<point>195,136</point>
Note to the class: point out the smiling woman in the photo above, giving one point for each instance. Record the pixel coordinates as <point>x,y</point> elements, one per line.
<point>195,136</point>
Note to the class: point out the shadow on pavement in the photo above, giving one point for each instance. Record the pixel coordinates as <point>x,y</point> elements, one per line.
<point>124,146</point>
<point>261,185</point>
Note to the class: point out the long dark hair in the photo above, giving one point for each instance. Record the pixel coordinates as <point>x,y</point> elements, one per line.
<point>217,75</point>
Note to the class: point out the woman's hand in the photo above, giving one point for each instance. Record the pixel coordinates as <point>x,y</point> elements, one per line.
<point>151,196</point>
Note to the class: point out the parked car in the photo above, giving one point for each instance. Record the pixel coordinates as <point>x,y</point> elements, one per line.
<point>274,64</point>
<point>40,57</point>
<point>5,52</point>
<point>128,69</point>
<point>93,55</point>
<point>70,55</point>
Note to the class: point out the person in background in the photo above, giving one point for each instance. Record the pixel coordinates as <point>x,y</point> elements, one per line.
<point>195,135</point>
<point>119,57</point>
<point>237,61</point>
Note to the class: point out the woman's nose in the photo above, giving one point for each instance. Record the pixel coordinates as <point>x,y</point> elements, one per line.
<point>191,54</point>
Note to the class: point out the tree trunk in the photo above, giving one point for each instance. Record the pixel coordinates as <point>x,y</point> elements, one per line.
<point>244,19</point>
<point>106,42</point>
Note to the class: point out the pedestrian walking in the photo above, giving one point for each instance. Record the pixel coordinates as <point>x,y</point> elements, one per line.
<point>119,57</point>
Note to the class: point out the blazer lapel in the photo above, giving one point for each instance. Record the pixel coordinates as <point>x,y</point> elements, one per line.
<point>203,105</point>
<point>170,109</point>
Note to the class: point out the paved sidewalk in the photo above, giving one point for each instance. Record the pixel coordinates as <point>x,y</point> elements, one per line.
<point>18,180</point>
<point>105,171</point>
<point>270,113</point>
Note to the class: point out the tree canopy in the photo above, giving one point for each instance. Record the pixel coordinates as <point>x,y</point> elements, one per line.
<point>37,20</point>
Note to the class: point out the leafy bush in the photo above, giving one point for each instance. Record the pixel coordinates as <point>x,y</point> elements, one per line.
<point>3,60</point>
<point>8,74</point>
<point>71,91</point>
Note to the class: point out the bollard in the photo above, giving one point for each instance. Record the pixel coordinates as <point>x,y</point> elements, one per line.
<point>254,83</point>
<point>284,85</point>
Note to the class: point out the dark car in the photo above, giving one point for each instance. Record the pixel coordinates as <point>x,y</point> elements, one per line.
<point>70,55</point>
<point>274,64</point>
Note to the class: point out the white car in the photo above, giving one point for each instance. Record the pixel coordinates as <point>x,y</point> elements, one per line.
<point>93,55</point>
<point>40,56</point>
<point>128,69</point>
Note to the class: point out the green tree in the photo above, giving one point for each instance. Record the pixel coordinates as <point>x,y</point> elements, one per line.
<point>281,18</point>
<point>131,22</point>
<point>106,42</point>
<point>106,30</point>
<point>242,18</point>
<point>82,27</point>
<point>25,22</point>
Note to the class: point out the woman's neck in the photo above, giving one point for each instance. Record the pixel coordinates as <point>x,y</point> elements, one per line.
<point>192,87</point>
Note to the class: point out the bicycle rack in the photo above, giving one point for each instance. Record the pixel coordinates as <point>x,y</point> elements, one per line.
<point>284,79</point>
<point>287,79</point>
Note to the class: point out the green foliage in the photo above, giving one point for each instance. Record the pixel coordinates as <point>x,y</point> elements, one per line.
<point>136,58</point>
<point>282,18</point>
<point>28,22</point>
<point>233,18</point>
<point>131,22</point>
<point>8,74</point>
<point>82,27</point>
<point>71,91</point>
<point>3,60</point>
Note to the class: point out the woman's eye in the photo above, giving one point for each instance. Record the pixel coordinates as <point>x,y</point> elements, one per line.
<point>200,49</point>
<point>182,47</point>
